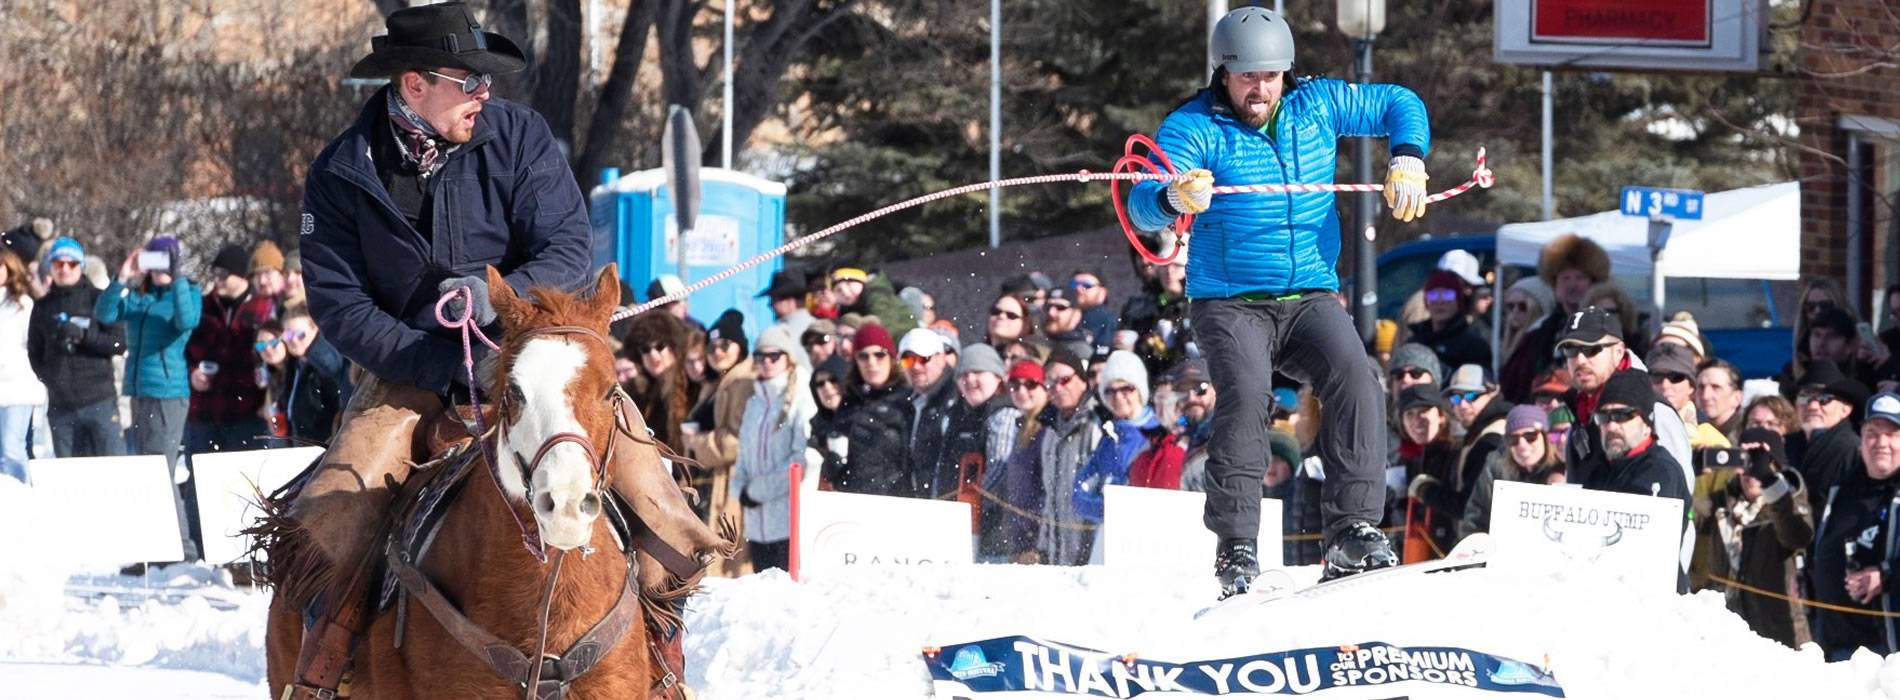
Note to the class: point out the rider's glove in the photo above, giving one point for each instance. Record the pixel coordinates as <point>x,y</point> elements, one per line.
<point>1405,187</point>
<point>1192,194</point>
<point>481,311</point>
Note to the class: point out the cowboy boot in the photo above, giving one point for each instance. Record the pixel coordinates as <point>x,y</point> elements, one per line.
<point>673,534</point>
<point>337,512</point>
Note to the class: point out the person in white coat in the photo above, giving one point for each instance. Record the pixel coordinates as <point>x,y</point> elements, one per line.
<point>20,389</point>
<point>772,436</point>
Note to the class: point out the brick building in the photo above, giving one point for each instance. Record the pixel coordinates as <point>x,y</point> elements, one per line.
<point>1849,115</point>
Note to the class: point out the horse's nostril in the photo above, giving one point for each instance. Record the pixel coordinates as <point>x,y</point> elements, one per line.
<point>544,503</point>
<point>590,505</point>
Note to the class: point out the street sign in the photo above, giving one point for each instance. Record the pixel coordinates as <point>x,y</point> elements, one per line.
<point>1646,201</point>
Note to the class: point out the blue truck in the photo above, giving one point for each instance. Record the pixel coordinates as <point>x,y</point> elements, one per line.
<point>1748,322</point>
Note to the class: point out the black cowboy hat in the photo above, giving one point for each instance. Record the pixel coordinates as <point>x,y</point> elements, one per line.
<point>432,36</point>
<point>783,286</point>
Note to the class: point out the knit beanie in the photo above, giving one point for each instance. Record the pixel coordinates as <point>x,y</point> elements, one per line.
<point>1535,287</point>
<point>1685,330</point>
<point>1283,445</point>
<point>67,249</point>
<point>980,357</point>
<point>1062,356</point>
<point>875,335</point>
<point>1631,388</point>
<point>1446,279</point>
<point>730,326</point>
<point>1123,366</point>
<point>1526,416</point>
<point>231,259</point>
<point>266,256</point>
<point>1024,369</point>
<point>778,338</point>
<point>1420,357</point>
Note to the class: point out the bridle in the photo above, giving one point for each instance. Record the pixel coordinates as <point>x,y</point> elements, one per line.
<point>502,657</point>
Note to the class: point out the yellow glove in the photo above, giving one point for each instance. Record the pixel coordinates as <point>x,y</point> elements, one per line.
<point>1193,194</point>
<point>1405,187</point>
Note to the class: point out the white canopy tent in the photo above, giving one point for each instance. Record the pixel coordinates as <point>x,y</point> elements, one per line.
<point>1748,233</point>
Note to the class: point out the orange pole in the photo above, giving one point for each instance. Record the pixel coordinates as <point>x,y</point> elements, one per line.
<point>791,555</point>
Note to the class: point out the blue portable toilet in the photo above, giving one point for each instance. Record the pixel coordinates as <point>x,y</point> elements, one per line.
<point>740,216</point>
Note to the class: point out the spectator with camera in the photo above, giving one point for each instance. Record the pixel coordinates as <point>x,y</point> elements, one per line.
<point>1761,523</point>
<point>1855,549</point>
<point>159,308</point>
<point>72,353</point>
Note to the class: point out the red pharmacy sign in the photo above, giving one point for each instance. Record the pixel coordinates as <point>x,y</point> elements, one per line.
<point>1611,21</point>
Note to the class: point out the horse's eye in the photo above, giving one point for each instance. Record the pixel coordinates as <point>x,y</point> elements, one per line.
<point>514,394</point>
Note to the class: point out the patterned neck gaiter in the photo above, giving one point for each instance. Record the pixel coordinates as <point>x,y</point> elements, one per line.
<point>421,146</point>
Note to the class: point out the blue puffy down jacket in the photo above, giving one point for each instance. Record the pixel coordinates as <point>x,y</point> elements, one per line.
<point>1274,243</point>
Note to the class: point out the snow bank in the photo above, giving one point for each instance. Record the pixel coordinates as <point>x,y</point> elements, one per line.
<point>859,636</point>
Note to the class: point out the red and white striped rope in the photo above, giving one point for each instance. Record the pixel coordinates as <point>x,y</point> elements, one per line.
<point>1480,177</point>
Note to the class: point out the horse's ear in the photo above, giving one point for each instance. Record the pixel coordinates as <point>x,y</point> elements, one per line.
<point>503,298</point>
<point>606,294</point>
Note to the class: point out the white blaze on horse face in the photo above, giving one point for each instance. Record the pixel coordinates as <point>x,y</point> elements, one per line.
<point>564,502</point>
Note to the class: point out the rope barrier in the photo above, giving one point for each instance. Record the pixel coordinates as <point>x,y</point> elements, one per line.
<point>1803,602</point>
<point>1481,176</point>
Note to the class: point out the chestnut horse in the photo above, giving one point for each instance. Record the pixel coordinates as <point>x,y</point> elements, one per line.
<point>555,386</point>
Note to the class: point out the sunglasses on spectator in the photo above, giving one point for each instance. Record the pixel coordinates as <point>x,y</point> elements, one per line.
<point>1611,310</point>
<point>66,263</point>
<point>1519,306</point>
<point>1809,395</point>
<point>911,359</point>
<point>1200,389</point>
<point>1815,306</point>
<point>1052,382</point>
<point>650,348</point>
<point>1005,313</point>
<point>1023,385</point>
<point>1441,295</point>
<point>1083,284</point>
<point>1588,351</point>
<point>263,345</point>
<point>1464,397</point>
<point>1671,377</point>
<point>1527,437</point>
<point>1410,373</point>
<point>474,83</point>
<point>824,379</point>
<point>1615,415</point>
<point>769,356</point>
<point>1546,398</point>
<point>879,355</point>
<point>1057,306</point>
<point>810,339</point>
<point>1122,389</point>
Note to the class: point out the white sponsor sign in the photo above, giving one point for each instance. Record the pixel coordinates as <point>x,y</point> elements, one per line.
<point>114,510</point>
<point>1616,536</point>
<point>844,530</point>
<point>228,484</point>
<point>1161,528</point>
<point>713,243</point>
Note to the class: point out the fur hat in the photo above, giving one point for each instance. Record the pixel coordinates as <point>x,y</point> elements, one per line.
<point>1572,251</point>
<point>1123,366</point>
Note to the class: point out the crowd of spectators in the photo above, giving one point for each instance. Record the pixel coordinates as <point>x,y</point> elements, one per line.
<point>1030,412</point>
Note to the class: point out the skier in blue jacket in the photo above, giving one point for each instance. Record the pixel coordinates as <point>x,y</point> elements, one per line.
<point>1261,277</point>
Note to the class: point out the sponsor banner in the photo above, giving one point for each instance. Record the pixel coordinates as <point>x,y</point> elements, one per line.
<point>1145,527</point>
<point>118,510</point>
<point>1617,536</point>
<point>227,485</point>
<point>843,530</point>
<point>1024,667</point>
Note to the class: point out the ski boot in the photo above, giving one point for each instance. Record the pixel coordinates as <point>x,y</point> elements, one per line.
<point>1236,565</point>
<point>1357,548</point>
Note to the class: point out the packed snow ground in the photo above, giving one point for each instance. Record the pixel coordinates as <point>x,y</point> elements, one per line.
<point>184,632</point>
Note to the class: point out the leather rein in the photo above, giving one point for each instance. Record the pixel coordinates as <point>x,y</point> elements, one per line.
<point>545,676</point>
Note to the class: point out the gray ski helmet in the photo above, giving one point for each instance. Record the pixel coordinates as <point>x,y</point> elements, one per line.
<point>1252,39</point>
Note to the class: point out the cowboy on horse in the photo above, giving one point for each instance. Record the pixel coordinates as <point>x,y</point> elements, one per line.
<point>435,183</point>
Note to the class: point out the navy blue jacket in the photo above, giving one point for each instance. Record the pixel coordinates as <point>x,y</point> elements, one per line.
<point>506,198</point>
